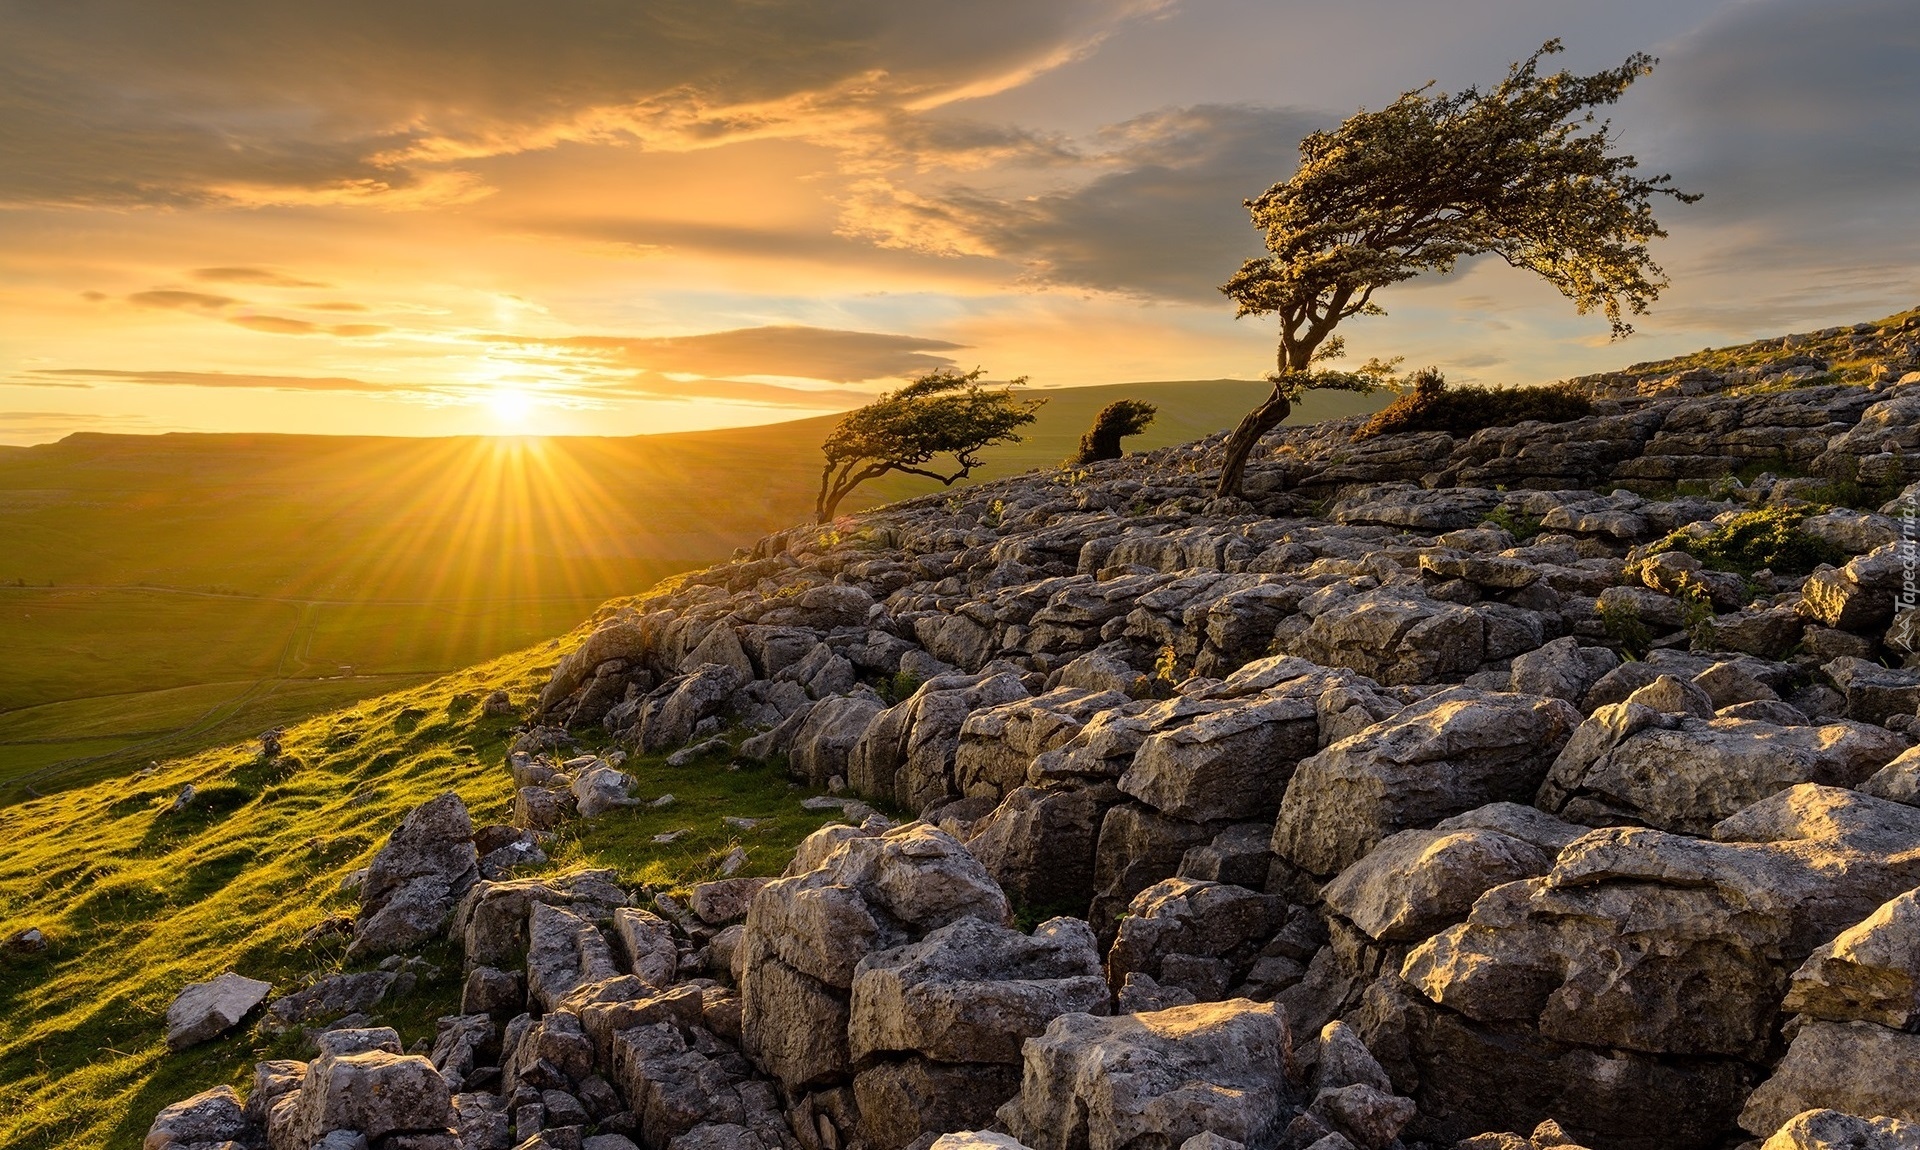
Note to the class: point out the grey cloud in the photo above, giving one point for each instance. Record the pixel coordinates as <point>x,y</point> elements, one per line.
<point>1799,123</point>
<point>126,101</point>
<point>802,352</point>
<point>1167,221</point>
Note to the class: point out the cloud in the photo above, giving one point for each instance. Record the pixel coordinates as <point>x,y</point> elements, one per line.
<point>799,352</point>
<point>730,391</point>
<point>338,305</point>
<point>205,379</point>
<point>43,423</point>
<point>265,277</point>
<point>169,298</point>
<point>1164,219</point>
<point>121,101</point>
<point>1798,123</point>
<point>282,325</point>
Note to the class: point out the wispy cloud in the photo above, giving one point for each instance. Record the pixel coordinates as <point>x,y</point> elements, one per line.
<point>283,325</point>
<point>170,298</point>
<point>56,376</point>
<point>265,277</point>
<point>781,350</point>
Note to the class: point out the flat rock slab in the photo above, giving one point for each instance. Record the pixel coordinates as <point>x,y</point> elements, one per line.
<point>206,1010</point>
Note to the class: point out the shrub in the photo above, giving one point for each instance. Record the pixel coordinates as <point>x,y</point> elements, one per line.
<point>1767,538</point>
<point>1433,406</point>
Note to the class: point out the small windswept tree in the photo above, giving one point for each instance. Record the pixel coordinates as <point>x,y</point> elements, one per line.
<point>1116,421</point>
<point>943,413</point>
<point>1521,172</point>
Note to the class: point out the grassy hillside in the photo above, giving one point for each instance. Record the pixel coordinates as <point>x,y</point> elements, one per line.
<point>163,594</point>
<point>139,901</point>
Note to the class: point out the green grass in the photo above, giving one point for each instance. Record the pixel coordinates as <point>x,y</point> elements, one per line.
<point>138,902</point>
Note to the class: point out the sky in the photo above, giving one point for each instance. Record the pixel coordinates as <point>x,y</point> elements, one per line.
<point>627,216</point>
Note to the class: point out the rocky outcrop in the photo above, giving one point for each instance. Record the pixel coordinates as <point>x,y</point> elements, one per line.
<point>416,879</point>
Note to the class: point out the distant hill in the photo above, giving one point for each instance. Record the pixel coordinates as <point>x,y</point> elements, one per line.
<point>161,593</point>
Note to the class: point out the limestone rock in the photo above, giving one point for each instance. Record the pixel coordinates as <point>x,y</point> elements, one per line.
<point>1396,635</point>
<point>1562,669</point>
<point>1832,1130</point>
<point>206,1010</point>
<point>1201,937</point>
<point>1417,882</point>
<point>1870,972</point>
<point>1450,753</point>
<point>973,990</point>
<point>807,933</point>
<point>1679,773</point>
<point>416,879</point>
<point>1853,1067</point>
<point>209,1118</point>
<point>1157,1079</point>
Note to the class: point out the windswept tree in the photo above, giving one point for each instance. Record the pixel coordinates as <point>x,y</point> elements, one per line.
<point>1116,421</point>
<point>1522,172</point>
<point>944,413</point>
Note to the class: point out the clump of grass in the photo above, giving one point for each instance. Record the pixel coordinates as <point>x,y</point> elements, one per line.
<point>1623,625</point>
<point>1430,405</point>
<point>1523,527</point>
<point>1769,538</point>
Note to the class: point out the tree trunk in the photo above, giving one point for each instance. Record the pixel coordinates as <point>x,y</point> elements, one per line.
<point>1241,443</point>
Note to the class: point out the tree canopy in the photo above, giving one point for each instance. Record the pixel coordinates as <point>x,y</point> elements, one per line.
<point>1116,421</point>
<point>943,413</point>
<point>1522,171</point>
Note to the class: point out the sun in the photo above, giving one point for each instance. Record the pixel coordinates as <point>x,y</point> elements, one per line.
<point>508,405</point>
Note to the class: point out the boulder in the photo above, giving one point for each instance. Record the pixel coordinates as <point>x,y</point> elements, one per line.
<point>807,933</point>
<point>1852,1067</point>
<point>600,788</point>
<point>1140,1081</point>
<point>1417,882</point>
<point>1138,846</point>
<point>564,952</point>
<point>416,879</point>
<point>1873,692</point>
<point>1630,763</point>
<point>646,942</point>
<point>972,990</point>
<point>1832,1130</point>
<point>1039,844</point>
<point>209,1118</point>
<point>1562,669</point>
<point>907,752</point>
<point>334,996</point>
<point>827,734</point>
<point>1232,762</point>
<point>207,1010</point>
<point>1870,972</point>
<point>670,713</point>
<point>998,744</point>
<point>362,1083</point>
<point>724,900</point>
<point>1450,753</point>
<point>1396,635</point>
<point>1200,937</point>
<point>1857,597</point>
